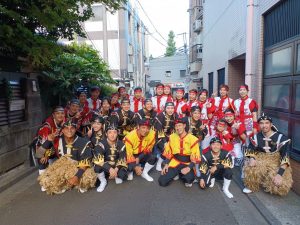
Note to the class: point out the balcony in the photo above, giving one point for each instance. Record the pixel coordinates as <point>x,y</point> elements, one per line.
<point>195,67</point>
<point>196,53</point>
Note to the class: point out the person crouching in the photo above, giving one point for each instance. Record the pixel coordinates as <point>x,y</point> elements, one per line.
<point>216,163</point>
<point>72,169</point>
<point>110,159</point>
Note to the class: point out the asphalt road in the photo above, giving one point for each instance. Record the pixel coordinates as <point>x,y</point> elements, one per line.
<point>136,202</point>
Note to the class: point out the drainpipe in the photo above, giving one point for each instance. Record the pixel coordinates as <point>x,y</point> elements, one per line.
<point>249,72</point>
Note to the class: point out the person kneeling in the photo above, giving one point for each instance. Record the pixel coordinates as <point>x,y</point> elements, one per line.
<point>216,163</point>
<point>73,166</point>
<point>139,148</point>
<point>110,159</point>
<point>267,161</point>
<point>182,154</point>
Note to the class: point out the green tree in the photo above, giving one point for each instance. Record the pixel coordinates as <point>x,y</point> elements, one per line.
<point>171,48</point>
<point>79,64</point>
<point>31,28</point>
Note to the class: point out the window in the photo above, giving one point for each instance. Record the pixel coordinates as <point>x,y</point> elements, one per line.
<point>182,73</point>
<point>168,73</point>
<point>98,13</point>
<point>221,77</point>
<point>14,111</point>
<point>298,58</point>
<point>295,137</point>
<point>281,124</point>
<point>210,83</point>
<point>297,101</point>
<point>278,62</point>
<point>277,96</point>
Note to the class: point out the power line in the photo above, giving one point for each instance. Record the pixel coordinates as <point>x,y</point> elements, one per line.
<point>87,35</point>
<point>151,21</point>
<point>96,47</point>
<point>151,34</point>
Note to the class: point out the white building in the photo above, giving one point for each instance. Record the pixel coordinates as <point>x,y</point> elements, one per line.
<point>257,42</point>
<point>121,41</point>
<point>168,70</point>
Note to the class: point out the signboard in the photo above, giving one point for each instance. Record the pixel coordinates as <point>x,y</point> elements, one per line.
<point>15,105</point>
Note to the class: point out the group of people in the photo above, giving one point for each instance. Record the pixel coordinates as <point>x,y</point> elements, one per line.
<point>196,140</point>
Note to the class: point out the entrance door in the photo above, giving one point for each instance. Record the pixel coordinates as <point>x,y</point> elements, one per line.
<point>221,77</point>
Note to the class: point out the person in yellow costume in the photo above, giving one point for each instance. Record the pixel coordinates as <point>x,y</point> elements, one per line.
<point>182,154</point>
<point>139,145</point>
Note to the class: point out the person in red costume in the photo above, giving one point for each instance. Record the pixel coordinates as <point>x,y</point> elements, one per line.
<point>181,107</point>
<point>137,101</point>
<point>122,93</point>
<point>246,111</point>
<point>159,100</point>
<point>238,131</point>
<point>207,109</point>
<point>47,135</point>
<point>115,105</point>
<point>94,102</point>
<point>221,104</point>
<point>167,93</point>
<point>192,99</point>
<point>223,134</point>
<point>85,113</point>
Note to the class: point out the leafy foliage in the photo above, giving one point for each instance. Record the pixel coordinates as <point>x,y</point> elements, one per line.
<point>79,65</point>
<point>31,28</point>
<point>171,49</point>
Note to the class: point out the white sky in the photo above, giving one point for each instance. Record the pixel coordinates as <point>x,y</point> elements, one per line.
<point>166,15</point>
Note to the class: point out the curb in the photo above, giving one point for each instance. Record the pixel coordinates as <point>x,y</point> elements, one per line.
<point>261,208</point>
<point>17,178</point>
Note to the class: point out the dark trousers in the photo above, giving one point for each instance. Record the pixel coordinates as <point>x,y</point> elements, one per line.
<point>165,180</point>
<point>144,158</point>
<point>44,166</point>
<point>219,174</point>
<point>122,172</point>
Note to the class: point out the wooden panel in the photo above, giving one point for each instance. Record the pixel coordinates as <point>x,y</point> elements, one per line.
<point>13,159</point>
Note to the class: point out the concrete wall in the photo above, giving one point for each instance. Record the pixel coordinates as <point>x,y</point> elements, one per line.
<point>223,36</point>
<point>15,138</point>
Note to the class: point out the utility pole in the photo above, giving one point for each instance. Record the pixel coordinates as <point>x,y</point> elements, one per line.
<point>185,52</point>
<point>249,71</point>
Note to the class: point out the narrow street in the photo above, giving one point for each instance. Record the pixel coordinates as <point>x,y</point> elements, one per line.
<point>137,202</point>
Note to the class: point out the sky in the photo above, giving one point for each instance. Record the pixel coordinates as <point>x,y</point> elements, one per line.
<point>166,15</point>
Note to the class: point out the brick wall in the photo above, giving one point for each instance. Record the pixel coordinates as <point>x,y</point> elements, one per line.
<point>236,76</point>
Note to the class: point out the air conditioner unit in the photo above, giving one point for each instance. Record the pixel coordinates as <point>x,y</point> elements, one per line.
<point>130,50</point>
<point>130,68</point>
<point>199,55</point>
<point>197,26</point>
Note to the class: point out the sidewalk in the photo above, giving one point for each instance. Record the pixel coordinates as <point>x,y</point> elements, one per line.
<point>15,175</point>
<point>275,209</point>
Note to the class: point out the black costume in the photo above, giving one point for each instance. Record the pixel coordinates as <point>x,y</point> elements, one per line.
<point>123,120</point>
<point>144,114</point>
<point>107,156</point>
<point>270,153</point>
<point>224,163</point>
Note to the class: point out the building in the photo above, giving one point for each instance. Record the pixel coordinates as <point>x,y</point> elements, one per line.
<point>168,70</point>
<point>195,42</point>
<point>257,43</point>
<point>121,41</point>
